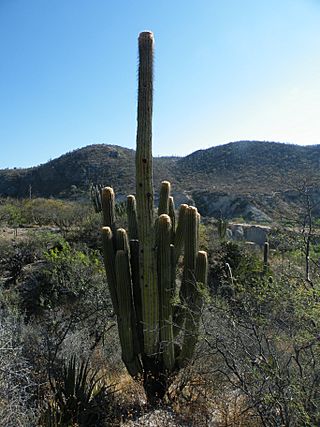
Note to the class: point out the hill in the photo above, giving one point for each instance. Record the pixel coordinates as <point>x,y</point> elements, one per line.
<point>250,165</point>
<point>249,179</point>
<point>100,164</point>
<point>253,180</point>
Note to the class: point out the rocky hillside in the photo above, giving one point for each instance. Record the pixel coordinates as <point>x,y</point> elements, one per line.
<point>255,180</point>
<point>249,165</point>
<point>100,164</point>
<point>249,179</point>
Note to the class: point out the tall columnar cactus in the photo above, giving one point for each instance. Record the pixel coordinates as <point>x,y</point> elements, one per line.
<point>157,334</point>
<point>144,191</point>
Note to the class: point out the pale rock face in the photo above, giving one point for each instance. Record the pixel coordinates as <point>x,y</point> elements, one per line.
<point>256,234</point>
<point>250,233</point>
<point>215,204</point>
<point>238,233</point>
<point>229,234</point>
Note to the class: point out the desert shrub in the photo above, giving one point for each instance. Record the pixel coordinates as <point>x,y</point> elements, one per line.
<point>90,231</point>
<point>16,255</point>
<point>11,213</point>
<point>265,343</point>
<point>61,288</point>
<point>41,211</point>
<point>70,277</point>
<point>17,386</point>
<point>63,214</point>
<point>227,257</point>
<point>44,212</point>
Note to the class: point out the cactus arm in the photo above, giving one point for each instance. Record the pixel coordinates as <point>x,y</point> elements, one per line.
<point>180,232</point>
<point>132,217</point>
<point>172,216</point>
<point>202,268</point>
<point>190,252</point>
<point>164,198</point>
<point>136,290</point>
<point>122,242</point>
<point>165,291</point>
<point>173,269</point>
<point>265,257</point>
<point>198,231</point>
<point>222,228</point>
<point>145,197</point>
<point>194,309</point>
<point>109,263</point>
<point>125,327</point>
<point>108,208</point>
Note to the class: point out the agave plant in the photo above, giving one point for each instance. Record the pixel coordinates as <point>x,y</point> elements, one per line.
<point>75,396</point>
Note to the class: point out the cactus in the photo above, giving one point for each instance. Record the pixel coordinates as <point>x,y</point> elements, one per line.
<point>141,272</point>
<point>95,194</point>
<point>222,228</point>
<point>265,257</point>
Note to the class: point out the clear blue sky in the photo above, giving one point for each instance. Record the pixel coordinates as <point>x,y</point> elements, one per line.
<point>225,70</point>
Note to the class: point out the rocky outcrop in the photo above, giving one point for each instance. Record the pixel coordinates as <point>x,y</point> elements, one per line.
<point>216,204</point>
<point>257,234</point>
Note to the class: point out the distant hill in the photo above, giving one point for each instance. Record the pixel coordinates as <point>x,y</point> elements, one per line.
<point>250,166</point>
<point>99,164</point>
<point>248,179</point>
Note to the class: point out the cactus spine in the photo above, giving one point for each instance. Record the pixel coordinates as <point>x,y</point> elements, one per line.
<point>141,271</point>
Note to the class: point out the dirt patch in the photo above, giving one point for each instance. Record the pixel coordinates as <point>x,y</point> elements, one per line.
<point>8,233</point>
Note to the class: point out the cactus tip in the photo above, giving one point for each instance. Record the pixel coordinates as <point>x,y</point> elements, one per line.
<point>146,35</point>
<point>107,231</point>
<point>164,219</point>
<point>108,191</point>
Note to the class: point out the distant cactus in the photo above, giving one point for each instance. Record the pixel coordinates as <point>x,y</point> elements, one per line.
<point>141,272</point>
<point>222,228</point>
<point>266,257</point>
<point>95,193</point>
<point>96,199</point>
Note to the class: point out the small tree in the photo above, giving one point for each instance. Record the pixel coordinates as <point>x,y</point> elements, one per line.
<point>307,190</point>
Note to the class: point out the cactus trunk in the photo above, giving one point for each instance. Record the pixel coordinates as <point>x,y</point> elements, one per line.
<point>145,196</point>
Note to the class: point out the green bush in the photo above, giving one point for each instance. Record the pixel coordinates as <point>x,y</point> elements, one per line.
<point>68,276</point>
<point>16,255</point>
<point>11,213</point>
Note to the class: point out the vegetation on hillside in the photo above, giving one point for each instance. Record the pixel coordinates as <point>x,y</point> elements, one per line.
<point>252,179</point>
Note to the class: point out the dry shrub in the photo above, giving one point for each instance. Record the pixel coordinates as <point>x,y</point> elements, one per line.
<point>17,386</point>
<point>202,397</point>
